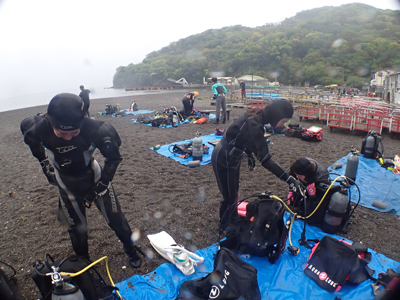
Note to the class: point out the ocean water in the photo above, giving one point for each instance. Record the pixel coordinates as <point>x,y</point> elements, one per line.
<point>12,103</point>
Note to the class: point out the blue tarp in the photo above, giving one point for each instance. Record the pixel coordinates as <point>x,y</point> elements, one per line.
<point>212,116</point>
<point>164,150</point>
<point>283,280</point>
<point>374,182</point>
<point>263,96</point>
<point>167,126</point>
<point>126,112</point>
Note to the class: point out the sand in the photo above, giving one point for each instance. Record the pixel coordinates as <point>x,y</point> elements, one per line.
<point>156,193</point>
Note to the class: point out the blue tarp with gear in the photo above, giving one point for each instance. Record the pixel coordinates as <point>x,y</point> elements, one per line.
<point>166,150</point>
<point>374,182</point>
<point>212,116</point>
<point>280,281</point>
<point>127,112</point>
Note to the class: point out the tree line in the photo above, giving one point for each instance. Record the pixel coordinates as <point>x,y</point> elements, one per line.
<point>328,45</point>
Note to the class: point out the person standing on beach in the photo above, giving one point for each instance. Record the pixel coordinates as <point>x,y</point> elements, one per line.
<point>63,141</point>
<point>219,91</point>
<point>188,101</point>
<point>246,135</point>
<point>243,90</point>
<point>84,94</point>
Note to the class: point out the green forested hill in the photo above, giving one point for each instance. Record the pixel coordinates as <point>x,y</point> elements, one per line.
<point>323,46</point>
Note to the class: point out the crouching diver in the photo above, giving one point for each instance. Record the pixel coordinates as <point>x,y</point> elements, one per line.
<point>70,140</point>
<point>246,134</point>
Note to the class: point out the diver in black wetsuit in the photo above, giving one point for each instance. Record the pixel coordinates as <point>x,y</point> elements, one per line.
<point>84,94</point>
<point>188,101</point>
<point>246,134</point>
<point>69,140</point>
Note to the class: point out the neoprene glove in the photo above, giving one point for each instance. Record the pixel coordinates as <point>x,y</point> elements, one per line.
<point>251,162</point>
<point>48,171</point>
<point>294,184</point>
<point>100,189</point>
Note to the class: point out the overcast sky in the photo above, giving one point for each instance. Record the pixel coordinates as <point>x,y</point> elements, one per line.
<point>51,45</point>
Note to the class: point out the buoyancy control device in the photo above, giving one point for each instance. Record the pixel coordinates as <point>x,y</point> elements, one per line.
<point>329,209</point>
<point>261,231</point>
<point>371,144</point>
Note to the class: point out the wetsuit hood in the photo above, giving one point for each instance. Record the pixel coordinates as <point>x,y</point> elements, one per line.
<point>303,166</point>
<point>65,112</point>
<point>276,111</point>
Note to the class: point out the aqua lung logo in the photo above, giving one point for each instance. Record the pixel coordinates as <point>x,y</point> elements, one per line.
<point>216,289</point>
<point>214,293</point>
<point>65,149</point>
<point>322,276</point>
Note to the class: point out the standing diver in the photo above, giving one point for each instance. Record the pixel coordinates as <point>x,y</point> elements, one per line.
<point>69,139</point>
<point>246,134</point>
<point>188,101</point>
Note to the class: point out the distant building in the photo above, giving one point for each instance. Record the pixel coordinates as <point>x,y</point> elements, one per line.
<point>255,80</point>
<point>391,87</point>
<point>224,80</point>
<point>377,82</point>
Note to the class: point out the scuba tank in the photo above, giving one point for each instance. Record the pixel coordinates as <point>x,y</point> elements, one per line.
<point>197,147</point>
<point>337,208</point>
<point>351,167</point>
<point>67,291</point>
<point>369,147</point>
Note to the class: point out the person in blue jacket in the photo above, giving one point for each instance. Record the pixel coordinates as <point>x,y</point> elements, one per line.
<point>219,91</point>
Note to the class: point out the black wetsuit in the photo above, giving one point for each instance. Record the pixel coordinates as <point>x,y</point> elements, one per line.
<point>187,102</point>
<point>86,102</point>
<point>246,134</point>
<point>77,173</point>
<point>243,88</point>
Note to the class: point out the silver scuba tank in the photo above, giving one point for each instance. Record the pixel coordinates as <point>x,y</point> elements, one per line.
<point>337,208</point>
<point>197,147</point>
<point>66,291</point>
<point>351,167</point>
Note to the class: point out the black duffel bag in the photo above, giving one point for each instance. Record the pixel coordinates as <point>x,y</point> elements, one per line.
<point>232,278</point>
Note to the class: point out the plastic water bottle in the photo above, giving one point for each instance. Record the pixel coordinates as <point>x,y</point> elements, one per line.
<point>351,168</point>
<point>197,147</point>
<point>337,205</point>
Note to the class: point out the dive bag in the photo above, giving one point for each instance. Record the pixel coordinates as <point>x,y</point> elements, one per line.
<point>232,278</point>
<point>294,130</point>
<point>261,232</point>
<point>332,263</point>
<point>312,134</point>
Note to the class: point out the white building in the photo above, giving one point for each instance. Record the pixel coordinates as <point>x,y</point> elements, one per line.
<point>391,90</point>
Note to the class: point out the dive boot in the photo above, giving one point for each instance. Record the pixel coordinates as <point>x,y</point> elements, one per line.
<point>134,258</point>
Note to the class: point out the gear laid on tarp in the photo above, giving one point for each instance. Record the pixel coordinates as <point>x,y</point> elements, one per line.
<point>280,281</point>
<point>374,182</point>
<point>165,150</point>
<point>126,112</point>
